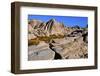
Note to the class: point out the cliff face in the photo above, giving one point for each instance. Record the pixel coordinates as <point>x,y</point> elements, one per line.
<point>52,40</point>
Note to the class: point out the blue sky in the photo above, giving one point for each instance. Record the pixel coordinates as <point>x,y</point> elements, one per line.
<point>66,20</point>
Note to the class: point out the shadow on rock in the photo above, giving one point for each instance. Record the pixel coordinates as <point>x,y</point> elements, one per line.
<point>57,55</point>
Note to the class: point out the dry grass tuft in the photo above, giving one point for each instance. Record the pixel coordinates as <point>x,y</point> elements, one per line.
<point>47,39</point>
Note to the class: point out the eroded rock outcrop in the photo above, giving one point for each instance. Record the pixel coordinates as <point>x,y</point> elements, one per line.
<point>39,28</point>
<point>40,52</point>
<point>52,40</point>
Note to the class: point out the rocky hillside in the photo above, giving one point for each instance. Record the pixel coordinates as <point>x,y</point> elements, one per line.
<point>52,40</point>
<point>38,28</point>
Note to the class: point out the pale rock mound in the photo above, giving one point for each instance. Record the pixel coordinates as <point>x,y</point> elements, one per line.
<point>40,52</point>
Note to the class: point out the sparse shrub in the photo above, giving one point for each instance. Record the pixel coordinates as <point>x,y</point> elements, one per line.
<point>33,41</point>
<point>60,36</point>
<point>53,36</point>
<point>44,38</point>
<point>47,39</point>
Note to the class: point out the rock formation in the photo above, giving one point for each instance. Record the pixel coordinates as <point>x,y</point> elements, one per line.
<point>52,40</point>
<point>39,28</point>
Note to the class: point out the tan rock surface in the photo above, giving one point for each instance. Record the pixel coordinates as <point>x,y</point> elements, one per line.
<point>40,52</point>
<point>63,42</point>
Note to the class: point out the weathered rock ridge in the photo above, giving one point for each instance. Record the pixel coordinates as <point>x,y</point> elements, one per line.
<point>52,40</point>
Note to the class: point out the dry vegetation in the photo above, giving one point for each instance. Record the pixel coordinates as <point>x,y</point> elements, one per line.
<point>47,39</point>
